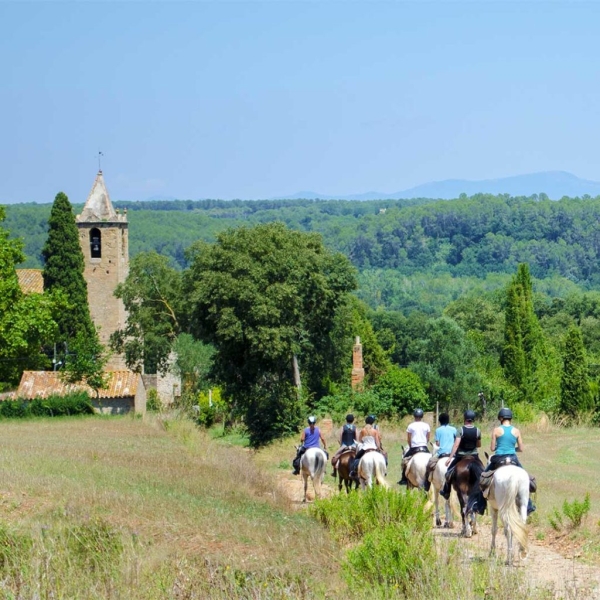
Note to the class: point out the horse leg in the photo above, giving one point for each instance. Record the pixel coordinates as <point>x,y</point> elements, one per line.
<point>494,515</point>
<point>436,502</point>
<point>449,524</point>
<point>509,540</point>
<point>317,480</point>
<point>467,531</point>
<point>473,517</point>
<point>305,477</point>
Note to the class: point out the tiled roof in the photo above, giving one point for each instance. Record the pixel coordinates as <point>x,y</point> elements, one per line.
<point>41,384</point>
<point>31,281</point>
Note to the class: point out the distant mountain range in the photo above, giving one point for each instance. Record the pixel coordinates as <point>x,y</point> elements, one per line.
<point>555,184</point>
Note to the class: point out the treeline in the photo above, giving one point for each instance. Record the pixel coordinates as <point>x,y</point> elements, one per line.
<point>411,255</point>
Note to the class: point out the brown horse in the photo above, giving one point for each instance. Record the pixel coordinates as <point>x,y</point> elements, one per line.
<point>344,466</point>
<point>465,481</point>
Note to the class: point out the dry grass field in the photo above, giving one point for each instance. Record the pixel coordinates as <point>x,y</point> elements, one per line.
<point>154,508</point>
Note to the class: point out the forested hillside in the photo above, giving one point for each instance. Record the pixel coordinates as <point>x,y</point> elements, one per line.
<point>410,253</point>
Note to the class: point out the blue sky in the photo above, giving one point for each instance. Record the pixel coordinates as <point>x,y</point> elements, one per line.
<point>260,99</point>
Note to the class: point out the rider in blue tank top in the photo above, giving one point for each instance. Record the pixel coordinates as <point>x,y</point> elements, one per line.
<point>310,438</point>
<point>507,442</point>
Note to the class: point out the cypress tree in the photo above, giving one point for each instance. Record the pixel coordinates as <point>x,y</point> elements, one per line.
<point>63,270</point>
<point>513,355</point>
<point>575,394</point>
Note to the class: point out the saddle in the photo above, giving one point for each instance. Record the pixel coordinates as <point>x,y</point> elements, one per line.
<point>485,480</point>
<point>407,459</point>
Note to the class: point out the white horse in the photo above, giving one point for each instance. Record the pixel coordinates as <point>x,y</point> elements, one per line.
<point>437,478</point>
<point>416,468</point>
<point>313,464</point>
<point>509,495</point>
<point>372,467</point>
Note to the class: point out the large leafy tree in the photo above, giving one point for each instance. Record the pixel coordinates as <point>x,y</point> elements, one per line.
<point>445,359</point>
<point>267,299</point>
<point>26,321</point>
<point>153,299</point>
<point>63,271</point>
<point>575,395</point>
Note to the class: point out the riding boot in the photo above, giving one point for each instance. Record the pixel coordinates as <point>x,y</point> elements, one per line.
<point>530,507</point>
<point>403,480</point>
<point>445,491</point>
<point>426,485</point>
<point>296,465</point>
<point>334,473</point>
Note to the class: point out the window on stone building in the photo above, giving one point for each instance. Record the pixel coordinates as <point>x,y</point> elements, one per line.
<point>95,243</point>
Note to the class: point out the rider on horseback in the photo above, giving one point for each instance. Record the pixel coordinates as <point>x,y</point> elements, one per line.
<point>468,439</point>
<point>309,439</point>
<point>368,439</point>
<point>417,435</point>
<point>347,439</point>
<point>445,435</point>
<point>506,442</point>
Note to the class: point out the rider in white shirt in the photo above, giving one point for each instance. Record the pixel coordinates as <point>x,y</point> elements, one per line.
<point>417,435</point>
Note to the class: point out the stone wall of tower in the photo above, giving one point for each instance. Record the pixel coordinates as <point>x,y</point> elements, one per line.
<point>104,274</point>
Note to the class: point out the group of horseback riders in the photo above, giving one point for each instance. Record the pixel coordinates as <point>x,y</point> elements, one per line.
<point>453,444</point>
<point>349,438</point>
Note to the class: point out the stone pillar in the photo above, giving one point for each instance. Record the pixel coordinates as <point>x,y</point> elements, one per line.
<point>358,373</point>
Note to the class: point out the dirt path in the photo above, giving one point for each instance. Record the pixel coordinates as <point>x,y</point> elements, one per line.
<point>546,568</point>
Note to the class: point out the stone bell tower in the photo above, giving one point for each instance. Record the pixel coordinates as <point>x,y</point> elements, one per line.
<point>104,239</point>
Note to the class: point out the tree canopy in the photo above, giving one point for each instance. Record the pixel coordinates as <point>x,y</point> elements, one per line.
<point>266,298</point>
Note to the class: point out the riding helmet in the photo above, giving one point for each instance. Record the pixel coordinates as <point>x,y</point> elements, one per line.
<point>469,415</point>
<point>312,420</point>
<point>505,413</point>
<point>349,418</point>
<point>370,420</point>
<point>418,413</point>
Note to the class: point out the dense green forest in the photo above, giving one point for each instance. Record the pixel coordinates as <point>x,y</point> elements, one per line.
<point>488,293</point>
<point>411,254</point>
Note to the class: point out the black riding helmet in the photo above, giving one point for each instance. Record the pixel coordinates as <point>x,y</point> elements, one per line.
<point>505,413</point>
<point>418,413</point>
<point>312,420</point>
<point>469,415</point>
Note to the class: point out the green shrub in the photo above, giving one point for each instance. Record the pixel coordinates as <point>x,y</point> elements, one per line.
<point>339,405</point>
<point>351,516</point>
<point>211,407</point>
<point>153,402</point>
<point>399,391</point>
<point>14,409</point>
<point>393,556</point>
<point>75,403</point>
<point>574,511</point>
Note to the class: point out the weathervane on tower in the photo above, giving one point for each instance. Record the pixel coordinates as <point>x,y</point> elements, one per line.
<point>100,155</point>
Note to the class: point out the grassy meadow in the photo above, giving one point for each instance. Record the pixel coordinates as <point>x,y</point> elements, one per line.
<point>94,507</point>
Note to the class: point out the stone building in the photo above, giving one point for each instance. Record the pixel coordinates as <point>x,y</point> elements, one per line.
<point>104,239</point>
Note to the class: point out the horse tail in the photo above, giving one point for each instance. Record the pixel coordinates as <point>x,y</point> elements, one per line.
<point>380,473</point>
<point>509,513</point>
<point>320,464</point>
